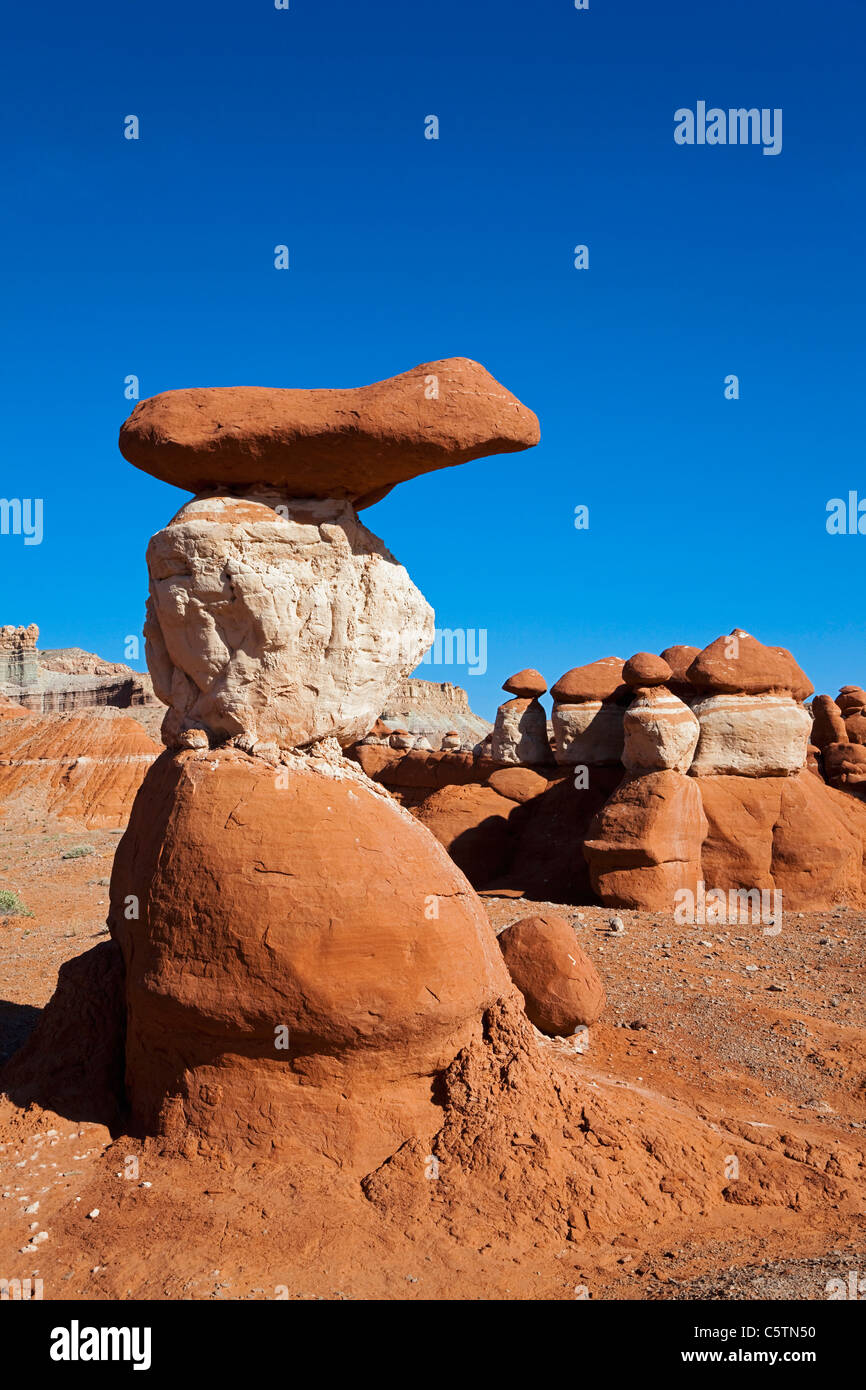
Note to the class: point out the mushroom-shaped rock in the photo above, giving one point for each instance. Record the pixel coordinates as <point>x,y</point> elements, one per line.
<point>560,985</point>
<point>452,742</point>
<point>600,680</point>
<point>740,664</point>
<point>527,685</point>
<point>401,738</point>
<point>644,670</point>
<point>353,443</point>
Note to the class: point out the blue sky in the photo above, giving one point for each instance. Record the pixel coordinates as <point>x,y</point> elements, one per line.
<point>306,127</point>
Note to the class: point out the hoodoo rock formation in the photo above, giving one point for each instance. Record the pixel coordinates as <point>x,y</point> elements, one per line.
<point>303,1016</point>
<point>304,959</point>
<point>520,731</point>
<point>588,712</point>
<point>670,771</point>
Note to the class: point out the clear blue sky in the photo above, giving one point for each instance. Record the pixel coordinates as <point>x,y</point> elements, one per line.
<point>306,127</point>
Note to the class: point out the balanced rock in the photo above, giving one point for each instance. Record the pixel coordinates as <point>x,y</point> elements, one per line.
<point>644,670</point>
<point>561,988</point>
<point>751,735</point>
<point>740,664</point>
<point>353,444</point>
<point>520,733</point>
<point>283,988</point>
<point>452,742</point>
<point>660,732</point>
<point>599,680</point>
<point>528,684</point>
<point>278,620</point>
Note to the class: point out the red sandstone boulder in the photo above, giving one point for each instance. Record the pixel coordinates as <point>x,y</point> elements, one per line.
<point>845,767</point>
<point>517,783</point>
<point>855,727</point>
<point>296,905</point>
<point>679,659</point>
<point>788,834</point>
<point>472,822</point>
<point>560,985</point>
<point>740,664</point>
<point>828,725</point>
<point>851,699</point>
<point>600,680</point>
<point>818,846</point>
<point>741,813</point>
<point>644,669</point>
<point>547,865</point>
<point>645,844</point>
<point>528,684</point>
<point>354,443</point>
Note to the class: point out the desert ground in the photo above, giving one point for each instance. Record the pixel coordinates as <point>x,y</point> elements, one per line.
<point>754,1040</point>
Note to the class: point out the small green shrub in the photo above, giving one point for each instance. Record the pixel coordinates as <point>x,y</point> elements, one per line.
<point>77,852</point>
<point>11,905</point>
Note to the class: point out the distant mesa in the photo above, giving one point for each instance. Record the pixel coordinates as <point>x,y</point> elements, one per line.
<point>354,444</point>
<point>65,679</point>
